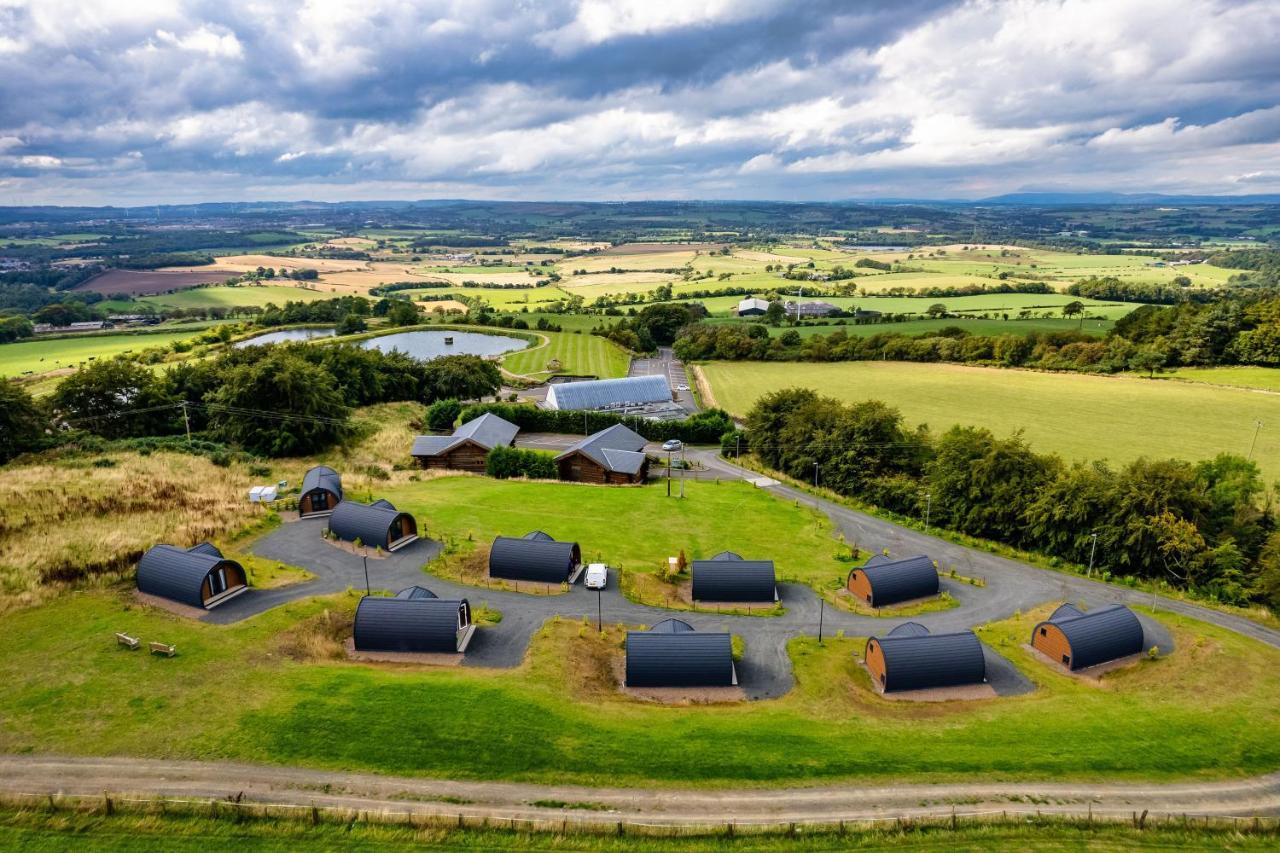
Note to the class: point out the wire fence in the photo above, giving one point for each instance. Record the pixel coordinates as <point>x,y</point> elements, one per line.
<point>238,809</point>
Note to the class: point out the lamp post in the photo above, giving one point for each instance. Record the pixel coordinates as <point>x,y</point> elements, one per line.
<point>1092,550</point>
<point>682,466</point>
<point>668,473</point>
<point>600,610</point>
<point>815,475</point>
<point>822,609</point>
<point>365,559</point>
<point>928,509</point>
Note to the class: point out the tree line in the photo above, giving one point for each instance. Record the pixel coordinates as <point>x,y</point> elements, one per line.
<point>1205,526</point>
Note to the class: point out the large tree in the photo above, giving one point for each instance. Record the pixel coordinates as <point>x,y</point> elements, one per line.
<point>460,377</point>
<point>116,399</point>
<point>24,425</point>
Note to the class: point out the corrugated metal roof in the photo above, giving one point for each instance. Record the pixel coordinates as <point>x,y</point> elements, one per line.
<point>1098,636</point>
<point>205,548</point>
<point>899,580</point>
<point>753,304</point>
<point>672,626</point>
<point>322,477</point>
<point>538,534</point>
<point>909,629</point>
<point>606,393</point>
<point>488,431</point>
<point>684,659</point>
<point>409,624</point>
<point>415,592</point>
<point>734,580</point>
<point>922,661</point>
<point>525,559</point>
<point>1065,611</point>
<point>616,448</point>
<point>177,575</point>
<point>727,555</point>
<point>370,523</point>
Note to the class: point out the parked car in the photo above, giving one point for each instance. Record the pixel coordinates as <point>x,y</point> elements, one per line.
<point>682,387</point>
<point>672,444</point>
<point>597,576</point>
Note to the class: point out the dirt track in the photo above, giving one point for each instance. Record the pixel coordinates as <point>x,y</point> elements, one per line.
<point>90,777</point>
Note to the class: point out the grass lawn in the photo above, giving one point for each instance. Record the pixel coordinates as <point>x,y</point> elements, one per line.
<point>1076,415</point>
<point>245,692</point>
<point>1262,378</point>
<point>227,297</point>
<point>42,356</point>
<point>799,540</point>
<point>578,353</point>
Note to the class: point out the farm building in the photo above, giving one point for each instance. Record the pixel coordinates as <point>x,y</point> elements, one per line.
<point>883,581</point>
<point>613,455</point>
<point>631,392</point>
<point>198,576</point>
<point>468,448</point>
<point>672,654</point>
<point>376,525</point>
<point>753,307</point>
<point>414,621</point>
<point>321,492</point>
<point>811,309</point>
<point>910,658</point>
<point>1078,639</point>
<point>728,577</point>
<point>533,557</point>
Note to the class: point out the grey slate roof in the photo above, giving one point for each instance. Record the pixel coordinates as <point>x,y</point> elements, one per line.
<point>533,557</point>
<point>488,431</point>
<point>899,580</point>
<point>177,574</point>
<point>1098,636</point>
<point>370,523</point>
<point>322,477</point>
<point>917,661</point>
<point>678,658</point>
<point>606,393</point>
<point>734,580</point>
<point>616,448</point>
<point>409,624</point>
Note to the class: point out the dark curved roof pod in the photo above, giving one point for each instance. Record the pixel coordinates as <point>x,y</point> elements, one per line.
<point>378,524</point>
<point>1094,636</point>
<point>412,624</point>
<point>533,557</point>
<point>728,577</point>
<point>915,661</point>
<point>883,581</point>
<point>909,629</point>
<point>321,492</point>
<point>674,655</point>
<point>199,576</point>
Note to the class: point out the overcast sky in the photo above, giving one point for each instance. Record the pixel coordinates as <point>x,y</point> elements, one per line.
<point>136,101</point>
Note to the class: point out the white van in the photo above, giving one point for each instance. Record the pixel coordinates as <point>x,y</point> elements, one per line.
<point>597,576</point>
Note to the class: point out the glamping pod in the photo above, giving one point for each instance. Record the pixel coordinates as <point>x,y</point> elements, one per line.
<point>882,581</point>
<point>468,448</point>
<point>1078,639</point>
<point>910,658</point>
<point>414,621</point>
<point>199,576</point>
<point>728,577</point>
<point>321,492</point>
<point>672,654</point>
<point>533,557</point>
<point>378,524</point>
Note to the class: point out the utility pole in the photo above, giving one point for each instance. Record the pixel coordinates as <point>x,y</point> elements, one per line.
<point>186,420</point>
<point>822,609</point>
<point>668,473</point>
<point>682,471</point>
<point>737,450</point>
<point>1256,429</point>
<point>600,610</point>
<point>815,475</point>
<point>1092,550</point>
<point>928,509</point>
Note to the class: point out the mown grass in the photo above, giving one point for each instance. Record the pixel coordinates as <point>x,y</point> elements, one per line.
<point>228,297</point>
<point>578,354</point>
<point>1078,416</point>
<point>42,356</point>
<point>1207,711</point>
<point>1260,378</point>
<point>38,829</point>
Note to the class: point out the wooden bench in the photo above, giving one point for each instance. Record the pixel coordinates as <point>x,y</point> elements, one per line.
<point>131,643</point>
<point>163,649</point>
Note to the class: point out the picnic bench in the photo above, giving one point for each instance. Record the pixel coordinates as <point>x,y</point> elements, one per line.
<point>163,649</point>
<point>131,643</point>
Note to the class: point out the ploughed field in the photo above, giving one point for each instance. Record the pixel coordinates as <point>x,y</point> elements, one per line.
<point>149,282</point>
<point>1117,418</point>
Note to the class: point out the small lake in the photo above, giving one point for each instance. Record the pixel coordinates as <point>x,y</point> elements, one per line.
<point>286,335</point>
<point>429,345</point>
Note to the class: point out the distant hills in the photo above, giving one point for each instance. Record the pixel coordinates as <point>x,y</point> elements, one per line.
<point>1061,198</point>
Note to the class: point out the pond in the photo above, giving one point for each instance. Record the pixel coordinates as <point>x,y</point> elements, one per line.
<point>286,335</point>
<point>429,345</point>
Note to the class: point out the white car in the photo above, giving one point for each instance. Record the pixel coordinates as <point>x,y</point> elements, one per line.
<point>682,387</point>
<point>671,445</point>
<point>597,576</point>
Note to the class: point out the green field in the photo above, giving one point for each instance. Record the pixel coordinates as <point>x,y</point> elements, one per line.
<point>227,297</point>
<point>800,541</point>
<point>579,354</point>
<point>256,691</point>
<point>1079,416</point>
<point>42,356</point>
<point>1261,378</point>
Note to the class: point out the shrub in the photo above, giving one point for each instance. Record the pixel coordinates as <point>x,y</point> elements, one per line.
<point>505,462</point>
<point>443,414</point>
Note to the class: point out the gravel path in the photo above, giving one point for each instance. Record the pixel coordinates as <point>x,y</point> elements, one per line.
<point>92,777</point>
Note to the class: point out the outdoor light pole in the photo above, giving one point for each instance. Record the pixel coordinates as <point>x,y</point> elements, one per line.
<point>1092,550</point>
<point>600,610</point>
<point>822,609</point>
<point>928,509</point>
<point>682,471</point>
<point>815,475</point>
<point>668,473</point>
<point>365,559</point>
